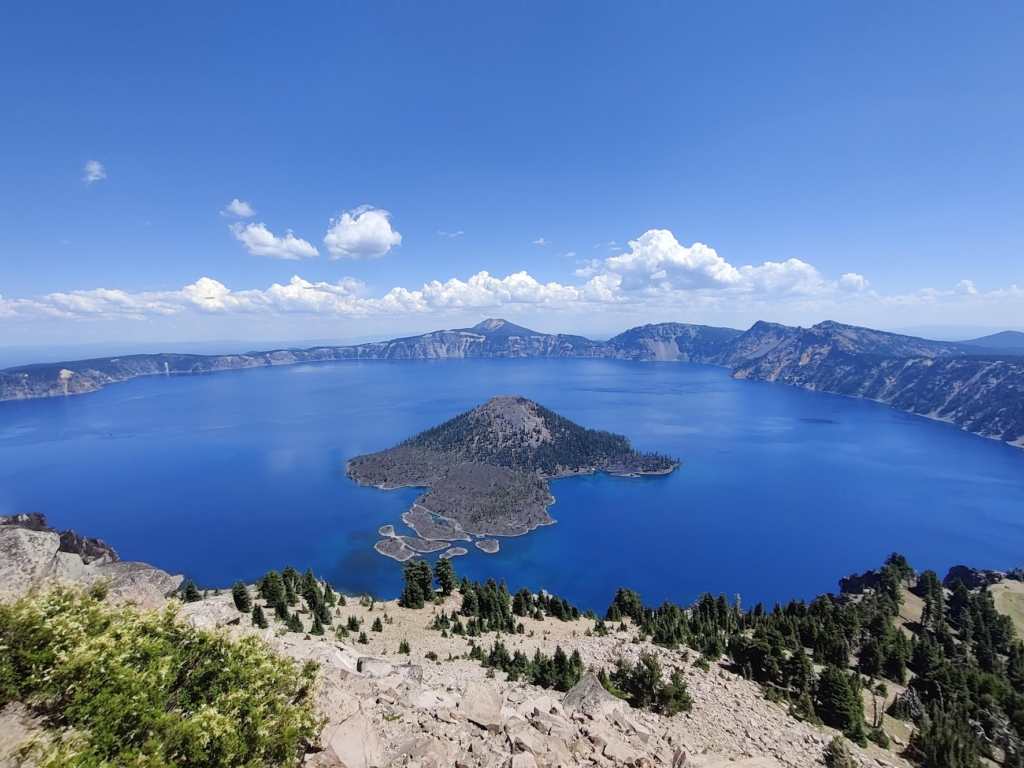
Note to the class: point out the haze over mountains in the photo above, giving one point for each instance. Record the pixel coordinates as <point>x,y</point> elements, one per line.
<point>976,385</point>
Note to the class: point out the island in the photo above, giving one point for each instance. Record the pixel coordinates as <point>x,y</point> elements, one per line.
<point>486,473</point>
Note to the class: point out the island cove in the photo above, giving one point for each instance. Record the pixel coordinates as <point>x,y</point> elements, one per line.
<point>486,472</point>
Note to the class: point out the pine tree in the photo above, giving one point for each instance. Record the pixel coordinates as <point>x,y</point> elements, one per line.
<point>403,647</point>
<point>281,611</point>
<point>240,594</point>
<point>363,639</point>
<point>329,597</point>
<point>258,619</point>
<point>445,575</point>
<point>318,627</point>
<point>839,703</point>
<point>191,594</point>
<point>377,626</point>
<point>291,598</point>
<point>418,584</point>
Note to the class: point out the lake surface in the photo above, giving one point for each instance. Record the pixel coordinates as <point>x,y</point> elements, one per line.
<point>782,491</point>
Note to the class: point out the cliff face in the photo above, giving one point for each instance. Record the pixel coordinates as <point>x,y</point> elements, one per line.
<point>979,391</point>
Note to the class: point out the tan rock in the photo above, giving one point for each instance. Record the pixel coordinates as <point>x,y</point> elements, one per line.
<point>481,705</point>
<point>357,743</point>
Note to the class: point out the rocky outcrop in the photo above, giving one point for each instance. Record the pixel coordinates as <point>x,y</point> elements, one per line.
<point>32,553</point>
<point>973,578</point>
<point>90,550</point>
<point>856,583</point>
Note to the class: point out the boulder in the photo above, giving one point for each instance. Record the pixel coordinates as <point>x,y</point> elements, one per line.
<point>426,750</point>
<point>481,705</point>
<point>619,752</point>
<point>212,613</point>
<point>374,667</point>
<point>588,695</point>
<point>355,742</point>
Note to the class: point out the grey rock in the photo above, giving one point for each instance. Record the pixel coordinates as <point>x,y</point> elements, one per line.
<point>588,695</point>
<point>371,667</point>
<point>481,705</point>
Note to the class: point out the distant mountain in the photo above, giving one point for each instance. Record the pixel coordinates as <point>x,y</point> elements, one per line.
<point>486,471</point>
<point>978,385</point>
<point>1005,341</point>
<point>498,327</point>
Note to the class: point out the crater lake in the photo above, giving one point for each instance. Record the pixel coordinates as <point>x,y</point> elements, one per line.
<point>782,491</point>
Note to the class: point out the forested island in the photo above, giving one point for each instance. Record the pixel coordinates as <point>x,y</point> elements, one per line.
<point>487,472</point>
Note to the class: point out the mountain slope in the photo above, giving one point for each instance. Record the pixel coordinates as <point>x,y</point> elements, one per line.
<point>1005,341</point>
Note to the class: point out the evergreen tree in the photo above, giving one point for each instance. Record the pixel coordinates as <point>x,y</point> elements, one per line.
<point>240,594</point>
<point>318,627</point>
<point>290,596</point>
<point>377,626</point>
<point>191,594</point>
<point>272,588</point>
<point>258,619</point>
<point>838,703</point>
<point>403,647</point>
<point>445,575</point>
<point>418,584</point>
<point>837,754</point>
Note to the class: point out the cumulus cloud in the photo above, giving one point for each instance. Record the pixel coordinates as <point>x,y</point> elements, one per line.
<point>239,208</point>
<point>364,233</point>
<point>93,171</point>
<point>966,288</point>
<point>540,241</point>
<point>260,241</point>
<point>657,274</point>
<point>851,281</point>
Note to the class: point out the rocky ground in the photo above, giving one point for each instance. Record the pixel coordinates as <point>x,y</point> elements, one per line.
<point>390,709</point>
<point>434,707</point>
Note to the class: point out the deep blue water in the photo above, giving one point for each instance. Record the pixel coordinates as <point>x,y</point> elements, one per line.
<point>782,491</point>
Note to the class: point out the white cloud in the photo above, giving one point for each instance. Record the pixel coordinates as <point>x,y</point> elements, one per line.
<point>570,254</point>
<point>656,278</point>
<point>93,171</point>
<point>590,268</point>
<point>260,241</point>
<point>966,288</point>
<point>453,235</point>
<point>239,208</point>
<point>364,233</point>
<point>540,241</point>
<point>851,281</point>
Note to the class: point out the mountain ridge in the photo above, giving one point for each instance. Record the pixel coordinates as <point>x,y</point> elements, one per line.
<point>979,390</point>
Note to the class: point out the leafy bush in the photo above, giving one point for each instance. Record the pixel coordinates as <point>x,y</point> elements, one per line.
<point>138,688</point>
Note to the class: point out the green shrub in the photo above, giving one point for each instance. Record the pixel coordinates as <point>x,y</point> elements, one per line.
<point>138,688</point>
<point>878,736</point>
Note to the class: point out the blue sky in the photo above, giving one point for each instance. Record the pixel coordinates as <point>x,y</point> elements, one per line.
<point>852,161</point>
